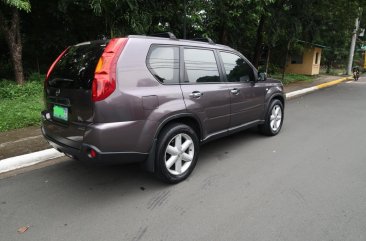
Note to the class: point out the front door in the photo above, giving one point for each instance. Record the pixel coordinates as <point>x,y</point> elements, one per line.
<point>247,96</point>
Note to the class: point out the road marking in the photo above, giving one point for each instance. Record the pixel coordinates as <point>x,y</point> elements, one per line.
<point>317,87</point>
<point>331,83</point>
<point>356,82</point>
<point>300,92</point>
<point>16,162</point>
<point>20,140</point>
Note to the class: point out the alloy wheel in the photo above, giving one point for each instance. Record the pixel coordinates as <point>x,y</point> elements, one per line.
<point>276,118</point>
<point>179,154</point>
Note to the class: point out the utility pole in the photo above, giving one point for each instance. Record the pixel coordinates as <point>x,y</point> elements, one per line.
<point>185,20</point>
<point>352,48</point>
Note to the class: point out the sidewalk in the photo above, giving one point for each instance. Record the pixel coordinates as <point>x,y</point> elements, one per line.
<point>28,140</point>
<point>321,79</point>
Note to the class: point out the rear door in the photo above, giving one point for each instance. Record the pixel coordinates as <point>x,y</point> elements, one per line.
<point>68,91</point>
<point>247,96</point>
<point>204,93</point>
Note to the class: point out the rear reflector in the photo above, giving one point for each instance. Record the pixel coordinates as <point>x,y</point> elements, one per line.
<point>104,82</point>
<point>92,153</point>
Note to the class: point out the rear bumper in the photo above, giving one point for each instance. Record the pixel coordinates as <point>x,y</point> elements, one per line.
<point>82,152</point>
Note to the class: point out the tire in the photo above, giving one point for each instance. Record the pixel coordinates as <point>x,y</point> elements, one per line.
<point>177,153</point>
<point>273,119</point>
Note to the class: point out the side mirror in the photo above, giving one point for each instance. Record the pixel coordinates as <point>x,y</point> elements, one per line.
<point>262,76</point>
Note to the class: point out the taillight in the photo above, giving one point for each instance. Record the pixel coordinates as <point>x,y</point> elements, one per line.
<point>104,82</point>
<point>55,62</point>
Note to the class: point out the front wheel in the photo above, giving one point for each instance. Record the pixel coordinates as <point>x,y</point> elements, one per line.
<point>273,119</point>
<point>177,153</point>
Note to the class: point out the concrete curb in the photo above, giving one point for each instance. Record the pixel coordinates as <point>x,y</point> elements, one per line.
<point>17,162</point>
<point>297,93</point>
<point>26,160</point>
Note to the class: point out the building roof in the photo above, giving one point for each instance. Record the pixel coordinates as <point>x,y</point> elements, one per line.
<point>311,44</point>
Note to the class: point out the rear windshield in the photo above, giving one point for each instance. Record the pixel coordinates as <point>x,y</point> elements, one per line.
<point>75,70</point>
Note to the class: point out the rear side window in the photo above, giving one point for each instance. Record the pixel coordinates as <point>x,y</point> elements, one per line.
<point>236,68</point>
<point>163,63</point>
<point>75,70</point>
<point>200,66</point>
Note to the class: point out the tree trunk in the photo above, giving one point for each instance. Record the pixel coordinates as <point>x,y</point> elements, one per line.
<point>258,45</point>
<point>224,36</point>
<point>329,64</point>
<point>268,57</point>
<point>286,58</point>
<point>12,36</point>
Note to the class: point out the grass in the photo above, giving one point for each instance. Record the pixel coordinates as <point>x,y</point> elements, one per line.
<point>291,78</point>
<point>333,71</point>
<point>20,106</point>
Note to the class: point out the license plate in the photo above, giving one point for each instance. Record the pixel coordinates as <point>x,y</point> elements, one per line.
<point>60,112</point>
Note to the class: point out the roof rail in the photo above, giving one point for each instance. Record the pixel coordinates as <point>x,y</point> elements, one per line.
<point>203,39</point>
<point>164,35</point>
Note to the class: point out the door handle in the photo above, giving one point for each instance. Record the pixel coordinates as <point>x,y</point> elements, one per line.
<point>235,91</point>
<point>196,94</point>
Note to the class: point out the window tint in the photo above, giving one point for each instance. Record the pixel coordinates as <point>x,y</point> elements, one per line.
<point>75,70</point>
<point>163,63</point>
<point>236,68</point>
<point>200,66</point>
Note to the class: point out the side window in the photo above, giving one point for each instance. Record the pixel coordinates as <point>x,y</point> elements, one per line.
<point>200,66</point>
<point>163,63</point>
<point>236,68</point>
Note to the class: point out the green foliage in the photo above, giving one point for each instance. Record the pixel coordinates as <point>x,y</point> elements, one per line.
<point>9,90</point>
<point>20,112</point>
<point>20,106</point>
<point>121,16</point>
<point>19,4</point>
<point>291,78</point>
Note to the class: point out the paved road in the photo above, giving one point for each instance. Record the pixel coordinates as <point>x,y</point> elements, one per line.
<point>308,183</point>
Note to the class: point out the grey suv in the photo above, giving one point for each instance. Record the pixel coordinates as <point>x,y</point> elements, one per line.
<point>154,100</point>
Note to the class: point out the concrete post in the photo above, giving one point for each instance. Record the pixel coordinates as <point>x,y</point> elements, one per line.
<point>352,48</point>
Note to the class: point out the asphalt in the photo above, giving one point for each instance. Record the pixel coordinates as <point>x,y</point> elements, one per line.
<point>307,183</point>
<point>29,140</point>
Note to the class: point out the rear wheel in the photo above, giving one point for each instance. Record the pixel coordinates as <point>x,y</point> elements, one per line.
<point>177,153</point>
<point>273,119</point>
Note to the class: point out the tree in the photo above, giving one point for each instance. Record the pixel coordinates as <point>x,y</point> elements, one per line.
<point>123,17</point>
<point>116,13</point>
<point>10,26</point>
<point>51,27</point>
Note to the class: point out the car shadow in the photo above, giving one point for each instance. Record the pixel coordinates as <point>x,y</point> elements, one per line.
<point>72,182</point>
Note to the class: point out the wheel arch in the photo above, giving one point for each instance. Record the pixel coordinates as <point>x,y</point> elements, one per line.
<point>185,118</point>
<point>279,97</point>
<point>272,95</point>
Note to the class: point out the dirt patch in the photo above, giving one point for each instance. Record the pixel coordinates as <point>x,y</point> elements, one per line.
<point>21,141</point>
